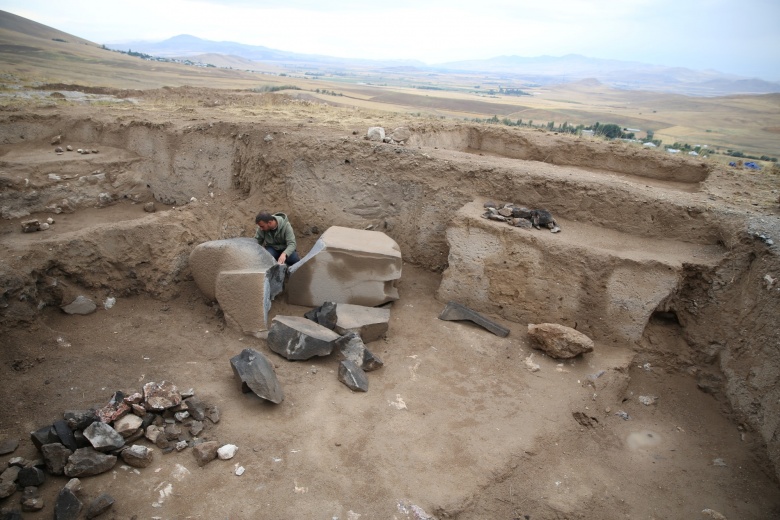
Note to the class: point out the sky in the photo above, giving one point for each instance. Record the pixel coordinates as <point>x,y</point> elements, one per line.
<point>730,36</point>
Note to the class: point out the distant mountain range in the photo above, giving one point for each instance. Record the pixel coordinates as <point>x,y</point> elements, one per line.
<point>541,70</point>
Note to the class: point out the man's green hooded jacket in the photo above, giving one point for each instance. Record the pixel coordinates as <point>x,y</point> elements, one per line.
<point>282,238</point>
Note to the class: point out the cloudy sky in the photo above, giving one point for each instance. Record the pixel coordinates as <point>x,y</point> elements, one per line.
<point>738,37</point>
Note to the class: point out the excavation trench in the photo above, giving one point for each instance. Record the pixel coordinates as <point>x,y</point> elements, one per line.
<point>643,254</point>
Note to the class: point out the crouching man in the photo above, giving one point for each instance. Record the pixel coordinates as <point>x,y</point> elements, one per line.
<point>276,235</point>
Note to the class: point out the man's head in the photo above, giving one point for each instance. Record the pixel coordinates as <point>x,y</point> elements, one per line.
<point>265,221</point>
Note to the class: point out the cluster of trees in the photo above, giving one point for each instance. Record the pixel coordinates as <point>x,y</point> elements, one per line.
<point>325,91</point>
<point>275,88</point>
<point>737,153</point>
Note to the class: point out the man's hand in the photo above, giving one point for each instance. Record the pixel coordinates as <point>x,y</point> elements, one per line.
<point>282,258</point>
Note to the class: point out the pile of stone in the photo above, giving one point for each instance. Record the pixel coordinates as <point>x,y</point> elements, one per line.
<point>31,226</point>
<point>398,136</point>
<point>89,442</point>
<point>340,327</point>
<point>57,139</point>
<point>520,216</point>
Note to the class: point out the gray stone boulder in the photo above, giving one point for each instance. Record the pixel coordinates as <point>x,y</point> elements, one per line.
<point>558,341</point>
<point>257,375</point>
<point>347,266</point>
<point>297,338</point>
<point>353,376</point>
<point>401,134</point>
<point>86,462</point>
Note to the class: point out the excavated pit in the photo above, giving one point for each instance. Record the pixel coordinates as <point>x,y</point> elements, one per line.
<point>646,265</point>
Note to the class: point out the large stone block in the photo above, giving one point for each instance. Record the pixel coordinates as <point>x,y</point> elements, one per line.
<point>298,338</point>
<point>209,259</point>
<point>347,266</point>
<point>370,323</point>
<point>242,276</point>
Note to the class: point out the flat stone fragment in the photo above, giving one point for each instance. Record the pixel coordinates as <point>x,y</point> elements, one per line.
<point>8,446</point>
<point>86,462</point>
<point>350,346</point>
<point>128,425</point>
<point>103,437</point>
<point>67,506</point>
<point>347,266</point>
<point>99,505</point>
<point>205,452</point>
<point>454,311</point>
<point>156,435</point>
<point>56,456</point>
<point>353,376</point>
<point>159,396</point>
<point>10,474</point>
<point>137,456</point>
<point>257,374</point>
<point>212,412</point>
<point>31,226</point>
<point>559,341</point>
<point>297,338</point>
<point>370,322</point>
<point>81,305</point>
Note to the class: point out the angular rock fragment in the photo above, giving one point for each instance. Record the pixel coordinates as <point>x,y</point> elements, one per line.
<point>45,435</point>
<point>128,425</point>
<point>350,346</point>
<point>157,436</point>
<point>558,341</point>
<point>375,133</point>
<point>347,266</point>
<point>227,452</point>
<point>205,452</point>
<point>10,474</point>
<point>103,437</point>
<point>212,412</point>
<point>81,305</point>
<point>99,505</point>
<point>56,456</point>
<point>137,456</point>
<point>324,315</point>
<point>159,396</point>
<point>454,311</point>
<point>195,428</point>
<point>196,407</point>
<point>79,419</point>
<point>31,477</point>
<point>353,376</point>
<point>65,434</point>
<point>67,506</point>
<point>31,499</point>
<point>7,488</point>
<point>297,338</point>
<point>257,374</point>
<point>86,462</point>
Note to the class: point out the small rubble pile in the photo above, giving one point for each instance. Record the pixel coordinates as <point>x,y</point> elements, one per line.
<point>31,226</point>
<point>57,139</point>
<point>520,216</point>
<point>333,326</point>
<point>89,442</point>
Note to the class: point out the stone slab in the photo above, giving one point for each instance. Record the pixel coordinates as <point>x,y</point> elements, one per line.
<point>454,311</point>
<point>371,323</point>
<point>297,338</point>
<point>209,259</point>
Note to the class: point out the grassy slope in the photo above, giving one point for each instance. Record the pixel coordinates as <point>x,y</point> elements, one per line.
<point>28,50</point>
